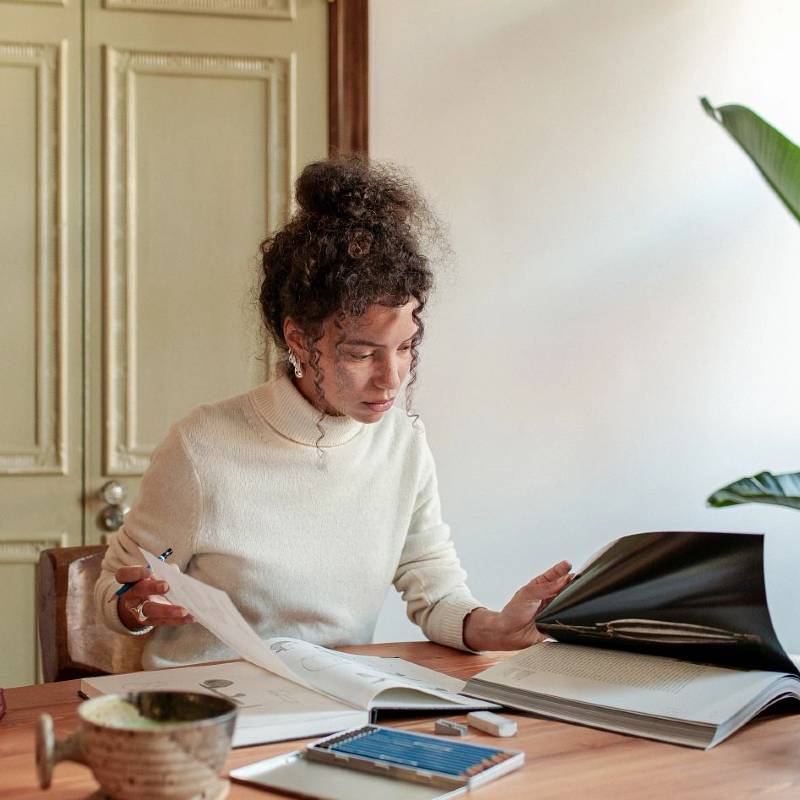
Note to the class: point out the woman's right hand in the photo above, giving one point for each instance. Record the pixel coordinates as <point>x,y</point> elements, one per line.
<point>156,609</point>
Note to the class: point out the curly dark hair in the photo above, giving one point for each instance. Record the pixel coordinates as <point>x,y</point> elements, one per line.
<point>356,240</point>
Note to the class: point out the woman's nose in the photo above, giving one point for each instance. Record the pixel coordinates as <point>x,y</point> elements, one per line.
<point>389,376</point>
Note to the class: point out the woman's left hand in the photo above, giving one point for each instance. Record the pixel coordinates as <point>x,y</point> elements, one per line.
<point>514,628</point>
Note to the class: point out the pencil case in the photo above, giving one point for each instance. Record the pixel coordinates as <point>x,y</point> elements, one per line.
<point>378,761</point>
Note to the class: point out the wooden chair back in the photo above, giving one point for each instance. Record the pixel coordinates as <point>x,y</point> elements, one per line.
<point>74,642</point>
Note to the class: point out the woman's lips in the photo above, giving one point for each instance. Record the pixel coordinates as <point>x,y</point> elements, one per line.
<point>383,405</point>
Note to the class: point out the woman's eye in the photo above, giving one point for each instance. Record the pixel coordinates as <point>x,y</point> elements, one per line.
<point>360,356</point>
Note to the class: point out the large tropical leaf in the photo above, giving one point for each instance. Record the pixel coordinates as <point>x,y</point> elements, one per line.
<point>781,490</point>
<point>777,158</point>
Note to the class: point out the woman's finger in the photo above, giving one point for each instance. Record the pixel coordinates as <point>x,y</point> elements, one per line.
<point>555,572</point>
<point>541,589</point>
<point>130,574</point>
<point>148,587</point>
<point>160,613</point>
<point>547,591</point>
<point>558,589</point>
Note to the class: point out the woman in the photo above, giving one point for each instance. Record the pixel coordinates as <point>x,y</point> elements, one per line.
<point>307,496</point>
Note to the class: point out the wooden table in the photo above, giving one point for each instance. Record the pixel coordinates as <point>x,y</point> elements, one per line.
<point>563,761</point>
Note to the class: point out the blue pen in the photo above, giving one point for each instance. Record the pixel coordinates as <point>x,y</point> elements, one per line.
<point>125,586</point>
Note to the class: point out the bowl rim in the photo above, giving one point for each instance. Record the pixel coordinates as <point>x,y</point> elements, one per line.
<point>165,727</point>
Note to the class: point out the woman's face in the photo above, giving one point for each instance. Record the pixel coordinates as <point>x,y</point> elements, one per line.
<point>364,362</point>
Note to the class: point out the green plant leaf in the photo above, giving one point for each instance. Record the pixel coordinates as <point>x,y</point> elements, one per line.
<point>777,158</point>
<point>781,490</point>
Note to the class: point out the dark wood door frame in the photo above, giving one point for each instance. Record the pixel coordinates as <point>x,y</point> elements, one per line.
<point>348,72</point>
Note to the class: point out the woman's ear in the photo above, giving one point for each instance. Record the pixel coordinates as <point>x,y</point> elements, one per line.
<point>294,337</point>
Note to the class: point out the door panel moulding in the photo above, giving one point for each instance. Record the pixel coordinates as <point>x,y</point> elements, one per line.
<point>37,2</point>
<point>24,548</point>
<point>262,9</point>
<point>124,453</point>
<point>48,455</point>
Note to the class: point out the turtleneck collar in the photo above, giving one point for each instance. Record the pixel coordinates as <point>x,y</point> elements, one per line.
<point>280,404</point>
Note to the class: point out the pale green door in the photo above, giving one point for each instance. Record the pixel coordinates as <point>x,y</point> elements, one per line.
<point>196,117</point>
<point>196,122</point>
<point>40,309</point>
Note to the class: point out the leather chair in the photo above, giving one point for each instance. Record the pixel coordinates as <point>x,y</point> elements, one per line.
<point>74,642</point>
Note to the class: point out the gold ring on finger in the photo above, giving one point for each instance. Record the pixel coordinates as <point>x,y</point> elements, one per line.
<point>141,616</point>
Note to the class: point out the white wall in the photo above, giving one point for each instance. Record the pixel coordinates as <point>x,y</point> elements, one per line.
<point>619,337</point>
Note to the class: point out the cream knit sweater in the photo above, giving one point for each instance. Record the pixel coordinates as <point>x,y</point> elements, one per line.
<point>305,547</point>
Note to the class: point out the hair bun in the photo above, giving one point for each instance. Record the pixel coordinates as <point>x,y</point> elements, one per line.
<point>352,188</point>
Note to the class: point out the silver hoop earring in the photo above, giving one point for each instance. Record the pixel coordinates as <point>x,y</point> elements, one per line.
<point>298,367</point>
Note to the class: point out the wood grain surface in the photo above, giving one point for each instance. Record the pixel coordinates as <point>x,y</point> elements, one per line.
<point>562,761</point>
<point>74,643</point>
<point>348,77</point>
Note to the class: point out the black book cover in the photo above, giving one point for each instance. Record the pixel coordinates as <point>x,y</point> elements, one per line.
<point>697,596</point>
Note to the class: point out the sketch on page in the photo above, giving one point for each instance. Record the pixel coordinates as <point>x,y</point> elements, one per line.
<point>410,673</point>
<point>359,680</point>
<point>270,708</point>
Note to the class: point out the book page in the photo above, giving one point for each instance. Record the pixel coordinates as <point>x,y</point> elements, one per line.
<point>694,595</point>
<point>361,680</point>
<point>781,557</point>
<point>410,672</point>
<point>269,708</point>
<point>630,681</point>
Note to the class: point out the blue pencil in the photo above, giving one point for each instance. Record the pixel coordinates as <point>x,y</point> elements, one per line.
<point>421,757</point>
<point>410,749</point>
<point>125,586</point>
<point>433,765</point>
<point>436,765</point>
<point>405,739</point>
<point>410,741</point>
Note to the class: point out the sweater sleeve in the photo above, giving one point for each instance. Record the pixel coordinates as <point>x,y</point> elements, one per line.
<point>429,575</point>
<point>166,513</point>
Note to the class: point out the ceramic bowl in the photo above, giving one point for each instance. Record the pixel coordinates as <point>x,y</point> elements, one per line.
<point>154,745</point>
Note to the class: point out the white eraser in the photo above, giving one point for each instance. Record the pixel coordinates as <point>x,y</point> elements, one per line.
<point>492,723</point>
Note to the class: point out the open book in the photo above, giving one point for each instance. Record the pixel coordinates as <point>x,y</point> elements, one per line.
<point>287,688</point>
<point>665,635</point>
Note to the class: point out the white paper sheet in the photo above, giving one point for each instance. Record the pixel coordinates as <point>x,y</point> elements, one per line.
<point>215,611</point>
